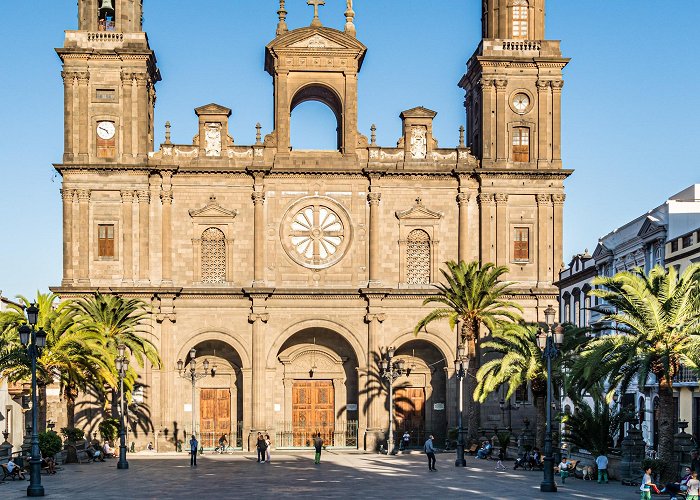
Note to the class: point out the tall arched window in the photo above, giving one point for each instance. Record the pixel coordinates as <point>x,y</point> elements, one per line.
<point>521,144</point>
<point>520,19</point>
<point>213,256</point>
<point>418,258</point>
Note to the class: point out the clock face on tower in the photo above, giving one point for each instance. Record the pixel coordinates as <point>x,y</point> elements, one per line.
<point>105,130</point>
<point>521,102</point>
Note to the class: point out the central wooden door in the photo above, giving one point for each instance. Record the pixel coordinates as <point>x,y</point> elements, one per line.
<point>313,409</point>
<point>410,412</point>
<point>214,416</point>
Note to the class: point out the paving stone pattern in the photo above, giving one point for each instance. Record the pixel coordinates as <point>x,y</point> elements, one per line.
<point>294,475</point>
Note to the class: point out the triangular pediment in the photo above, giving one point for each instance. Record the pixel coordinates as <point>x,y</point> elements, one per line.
<point>418,112</point>
<point>212,109</point>
<point>419,211</point>
<point>316,41</point>
<point>650,226</point>
<point>213,210</point>
<point>601,251</point>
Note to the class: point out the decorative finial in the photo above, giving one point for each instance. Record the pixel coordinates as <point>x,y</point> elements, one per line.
<point>419,201</point>
<point>167,132</point>
<point>373,135</point>
<point>349,16</point>
<point>461,136</point>
<point>316,22</point>
<point>282,24</point>
<point>258,137</point>
<point>212,199</point>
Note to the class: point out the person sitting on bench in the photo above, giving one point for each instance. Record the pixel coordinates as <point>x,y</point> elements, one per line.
<point>108,450</point>
<point>485,450</point>
<point>13,470</point>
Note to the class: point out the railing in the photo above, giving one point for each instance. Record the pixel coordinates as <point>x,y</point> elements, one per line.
<point>686,376</point>
<point>521,45</point>
<point>336,434</point>
<point>210,440</point>
<point>105,36</point>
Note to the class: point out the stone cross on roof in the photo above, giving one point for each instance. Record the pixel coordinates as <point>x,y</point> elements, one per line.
<point>316,3</point>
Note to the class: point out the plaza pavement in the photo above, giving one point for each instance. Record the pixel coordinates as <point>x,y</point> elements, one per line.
<point>294,475</point>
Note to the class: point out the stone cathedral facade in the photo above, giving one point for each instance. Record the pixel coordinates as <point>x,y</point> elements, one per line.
<point>293,271</point>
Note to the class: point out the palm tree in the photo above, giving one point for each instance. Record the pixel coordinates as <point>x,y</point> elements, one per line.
<point>118,321</point>
<point>518,361</point>
<point>656,320</point>
<point>472,295</point>
<point>594,428</point>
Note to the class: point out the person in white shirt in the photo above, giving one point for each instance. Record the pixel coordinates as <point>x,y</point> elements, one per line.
<point>564,469</point>
<point>602,464</point>
<point>108,451</point>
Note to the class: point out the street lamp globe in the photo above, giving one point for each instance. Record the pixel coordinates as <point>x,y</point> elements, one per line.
<point>206,365</point>
<point>41,338</point>
<point>24,334</point>
<point>180,365</point>
<point>559,335</point>
<point>122,349</point>
<point>32,314</point>
<point>549,314</point>
<point>193,353</point>
<point>541,340</point>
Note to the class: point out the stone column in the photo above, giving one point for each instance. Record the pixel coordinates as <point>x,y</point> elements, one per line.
<point>488,94</point>
<point>259,238</point>
<point>67,197</point>
<point>501,128</point>
<point>166,198</point>
<point>556,122</point>
<point>558,224</point>
<point>485,224</point>
<point>84,241</point>
<point>544,244</point>
<point>144,216</point>
<point>259,386</point>
<point>68,114</point>
<point>501,229</point>
<point>463,202</point>
<point>543,151</point>
<point>127,109</point>
<point>349,124</point>
<point>283,113</point>
<point>83,118</point>
<point>142,113</point>
<point>375,405</point>
<point>127,240</point>
<point>373,199</point>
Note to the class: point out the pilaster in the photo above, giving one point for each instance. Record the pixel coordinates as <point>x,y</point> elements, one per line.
<point>373,199</point>
<point>556,123</point>
<point>127,250</point>
<point>166,198</point>
<point>144,198</point>
<point>142,83</point>
<point>501,229</point>
<point>463,203</point>
<point>543,129</point>
<point>67,197</point>
<point>127,79</point>
<point>258,198</point>
<point>501,125</point>
<point>488,97</point>
<point>558,225</point>
<point>486,204</point>
<point>83,117</point>
<point>544,239</point>
<point>68,114</point>
<point>84,241</point>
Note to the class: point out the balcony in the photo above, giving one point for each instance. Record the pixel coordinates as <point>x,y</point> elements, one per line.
<point>686,377</point>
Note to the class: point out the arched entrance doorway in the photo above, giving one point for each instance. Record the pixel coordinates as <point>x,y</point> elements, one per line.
<point>317,390</point>
<point>420,396</point>
<point>218,408</point>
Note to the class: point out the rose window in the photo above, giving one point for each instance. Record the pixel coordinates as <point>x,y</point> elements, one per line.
<point>314,233</point>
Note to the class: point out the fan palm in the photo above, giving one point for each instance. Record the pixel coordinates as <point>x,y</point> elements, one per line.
<point>472,295</point>
<point>518,361</point>
<point>656,320</point>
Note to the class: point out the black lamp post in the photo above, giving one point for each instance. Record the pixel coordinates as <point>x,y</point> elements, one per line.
<point>391,370</point>
<point>193,376</point>
<point>122,363</point>
<point>460,371</point>
<point>509,407</point>
<point>33,340</point>
<point>548,343</point>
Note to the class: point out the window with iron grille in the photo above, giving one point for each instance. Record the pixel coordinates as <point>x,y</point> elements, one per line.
<point>521,244</point>
<point>105,240</point>
<point>213,256</point>
<point>418,258</point>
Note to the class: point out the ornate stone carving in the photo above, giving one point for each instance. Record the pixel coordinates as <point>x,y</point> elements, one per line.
<point>369,317</point>
<point>258,197</point>
<point>558,199</point>
<point>83,195</point>
<point>67,195</point>
<point>543,199</point>
<point>557,85</point>
<point>248,153</point>
<point>444,157</point>
<point>391,156</point>
<point>463,198</point>
<point>213,256</point>
<point>501,85</point>
<point>374,153</point>
<point>253,317</point>
<point>419,142</point>
<point>315,232</point>
<point>212,139</point>
<point>127,196</point>
<point>501,198</point>
<point>485,199</point>
<point>374,198</point>
<point>542,85</point>
<point>144,196</point>
<point>418,258</point>
<point>166,197</point>
<point>192,153</point>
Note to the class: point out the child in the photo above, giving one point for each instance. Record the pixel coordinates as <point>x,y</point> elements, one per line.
<point>646,485</point>
<point>693,490</point>
<point>564,470</point>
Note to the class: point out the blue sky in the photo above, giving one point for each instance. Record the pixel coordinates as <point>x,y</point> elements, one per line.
<point>628,127</point>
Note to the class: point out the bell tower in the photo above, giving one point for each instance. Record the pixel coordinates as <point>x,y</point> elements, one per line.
<point>109,75</point>
<point>513,89</point>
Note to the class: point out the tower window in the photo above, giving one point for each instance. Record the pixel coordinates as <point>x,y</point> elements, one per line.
<point>418,258</point>
<point>105,240</point>
<point>521,244</point>
<point>521,144</point>
<point>107,16</point>
<point>520,19</point>
<point>213,256</point>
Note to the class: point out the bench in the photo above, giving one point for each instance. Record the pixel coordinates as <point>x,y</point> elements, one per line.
<point>473,449</point>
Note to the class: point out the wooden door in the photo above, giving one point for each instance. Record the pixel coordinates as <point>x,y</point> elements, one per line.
<point>214,416</point>
<point>410,410</point>
<point>313,409</point>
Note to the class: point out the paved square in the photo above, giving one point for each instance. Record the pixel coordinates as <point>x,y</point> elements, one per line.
<point>293,475</point>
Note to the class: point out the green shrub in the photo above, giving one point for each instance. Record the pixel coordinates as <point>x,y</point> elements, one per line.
<point>660,469</point>
<point>109,429</point>
<point>49,443</point>
<point>72,434</point>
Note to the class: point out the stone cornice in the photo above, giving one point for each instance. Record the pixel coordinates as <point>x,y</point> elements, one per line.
<point>556,174</point>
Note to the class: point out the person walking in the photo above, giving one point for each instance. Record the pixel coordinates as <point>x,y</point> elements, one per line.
<point>646,485</point>
<point>564,469</point>
<point>318,446</point>
<point>693,490</point>
<point>405,441</point>
<point>602,464</point>
<point>194,446</point>
<point>268,443</point>
<point>261,446</point>
<point>430,453</point>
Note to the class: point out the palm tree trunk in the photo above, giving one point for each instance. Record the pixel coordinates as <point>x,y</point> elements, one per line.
<point>541,424</point>
<point>70,394</point>
<point>470,332</point>
<point>666,415</point>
